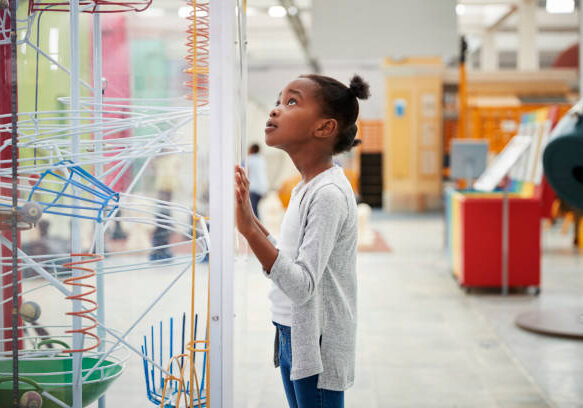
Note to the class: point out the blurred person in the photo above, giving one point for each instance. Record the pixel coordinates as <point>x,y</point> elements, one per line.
<point>166,183</point>
<point>257,173</point>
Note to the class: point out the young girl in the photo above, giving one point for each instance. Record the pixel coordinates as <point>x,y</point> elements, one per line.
<point>313,267</point>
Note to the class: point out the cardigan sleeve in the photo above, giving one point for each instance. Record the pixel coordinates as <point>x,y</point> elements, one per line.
<point>325,215</point>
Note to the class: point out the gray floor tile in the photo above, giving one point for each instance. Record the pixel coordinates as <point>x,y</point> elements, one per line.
<point>422,341</point>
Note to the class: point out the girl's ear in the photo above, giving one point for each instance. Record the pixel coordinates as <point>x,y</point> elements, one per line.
<point>326,128</point>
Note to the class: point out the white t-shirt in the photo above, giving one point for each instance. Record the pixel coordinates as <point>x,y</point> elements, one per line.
<point>257,173</point>
<point>281,305</point>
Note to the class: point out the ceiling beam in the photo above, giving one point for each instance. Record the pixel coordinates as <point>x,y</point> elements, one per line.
<point>545,29</point>
<point>498,23</point>
<point>488,2</point>
<point>300,32</point>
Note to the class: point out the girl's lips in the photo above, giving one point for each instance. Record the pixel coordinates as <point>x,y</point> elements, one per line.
<point>270,126</point>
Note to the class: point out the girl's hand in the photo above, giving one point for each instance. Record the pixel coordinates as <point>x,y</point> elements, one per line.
<point>244,214</point>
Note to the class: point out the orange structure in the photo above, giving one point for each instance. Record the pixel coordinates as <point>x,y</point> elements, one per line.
<point>284,192</point>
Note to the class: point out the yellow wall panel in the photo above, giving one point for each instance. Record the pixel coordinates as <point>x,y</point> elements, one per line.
<point>400,126</point>
<point>412,159</point>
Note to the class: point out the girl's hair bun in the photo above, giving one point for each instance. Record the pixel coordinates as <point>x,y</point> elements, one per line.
<point>359,88</point>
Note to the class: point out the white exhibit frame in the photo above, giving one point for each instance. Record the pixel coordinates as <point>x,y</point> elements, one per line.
<point>221,167</point>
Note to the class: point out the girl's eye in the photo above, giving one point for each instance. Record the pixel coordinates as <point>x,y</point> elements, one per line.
<point>276,103</point>
<point>292,101</point>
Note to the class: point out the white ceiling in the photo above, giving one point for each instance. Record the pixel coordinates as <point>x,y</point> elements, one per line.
<point>272,38</point>
<point>378,29</point>
<point>272,42</point>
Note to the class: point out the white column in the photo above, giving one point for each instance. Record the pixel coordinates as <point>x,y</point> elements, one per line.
<point>489,54</point>
<point>221,162</point>
<point>527,28</point>
<point>99,230</point>
<point>75,224</point>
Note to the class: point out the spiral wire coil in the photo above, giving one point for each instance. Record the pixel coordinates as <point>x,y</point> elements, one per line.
<point>199,63</point>
<point>81,281</point>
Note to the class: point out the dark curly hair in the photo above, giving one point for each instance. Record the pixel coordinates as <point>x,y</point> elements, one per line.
<point>340,102</point>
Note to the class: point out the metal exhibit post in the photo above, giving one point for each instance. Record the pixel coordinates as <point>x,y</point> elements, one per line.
<point>75,223</point>
<point>222,159</point>
<point>99,228</point>
<point>505,238</point>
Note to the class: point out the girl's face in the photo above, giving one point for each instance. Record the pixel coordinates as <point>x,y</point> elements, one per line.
<point>295,116</point>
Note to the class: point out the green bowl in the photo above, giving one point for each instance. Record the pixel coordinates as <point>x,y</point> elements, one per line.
<point>39,371</point>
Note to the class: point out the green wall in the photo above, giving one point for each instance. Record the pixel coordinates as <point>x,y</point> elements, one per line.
<point>52,82</point>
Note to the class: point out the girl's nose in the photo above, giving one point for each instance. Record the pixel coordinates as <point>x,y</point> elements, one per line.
<point>274,112</point>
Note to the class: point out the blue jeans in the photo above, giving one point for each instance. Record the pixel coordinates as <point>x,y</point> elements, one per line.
<point>303,393</point>
<point>255,198</point>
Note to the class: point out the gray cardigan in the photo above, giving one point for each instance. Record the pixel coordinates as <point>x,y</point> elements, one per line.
<point>321,283</point>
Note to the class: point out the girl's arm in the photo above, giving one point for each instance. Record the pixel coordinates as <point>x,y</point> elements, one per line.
<point>299,277</point>
<point>261,227</point>
<point>262,247</point>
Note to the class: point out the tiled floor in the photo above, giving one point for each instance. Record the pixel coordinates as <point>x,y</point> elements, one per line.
<point>422,341</point>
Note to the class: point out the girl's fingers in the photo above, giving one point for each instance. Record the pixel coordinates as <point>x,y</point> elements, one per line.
<point>238,174</point>
<point>240,182</point>
<point>244,178</point>
<point>243,183</point>
<point>241,172</point>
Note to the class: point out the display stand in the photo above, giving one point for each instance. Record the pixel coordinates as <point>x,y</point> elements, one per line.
<point>488,182</point>
<point>468,159</point>
<point>468,162</point>
<point>562,159</point>
<point>486,248</point>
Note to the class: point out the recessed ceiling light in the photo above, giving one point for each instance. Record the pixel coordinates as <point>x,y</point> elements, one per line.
<point>560,6</point>
<point>277,11</point>
<point>460,9</point>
